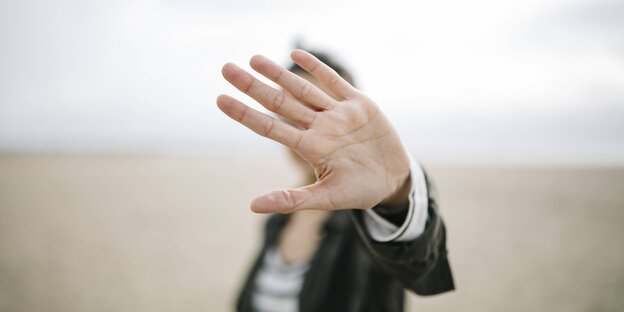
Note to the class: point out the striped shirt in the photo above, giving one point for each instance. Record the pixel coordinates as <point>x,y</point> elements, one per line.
<point>278,284</point>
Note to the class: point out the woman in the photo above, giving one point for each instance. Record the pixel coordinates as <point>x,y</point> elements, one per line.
<point>366,226</point>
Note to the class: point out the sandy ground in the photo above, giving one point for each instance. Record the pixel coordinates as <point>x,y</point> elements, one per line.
<point>147,233</point>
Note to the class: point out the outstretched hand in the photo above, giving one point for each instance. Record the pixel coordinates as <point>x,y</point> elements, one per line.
<point>357,156</point>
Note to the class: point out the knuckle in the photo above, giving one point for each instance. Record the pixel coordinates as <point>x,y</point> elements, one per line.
<point>297,146</point>
<point>308,118</point>
<point>315,66</point>
<point>305,90</point>
<point>278,101</point>
<point>252,81</point>
<point>268,127</point>
<point>278,75</point>
<point>243,113</point>
<point>289,197</point>
<point>328,104</point>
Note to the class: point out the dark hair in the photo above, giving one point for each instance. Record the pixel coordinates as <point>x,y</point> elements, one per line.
<point>329,61</point>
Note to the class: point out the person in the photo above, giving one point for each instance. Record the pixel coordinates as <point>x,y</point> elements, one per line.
<point>366,226</point>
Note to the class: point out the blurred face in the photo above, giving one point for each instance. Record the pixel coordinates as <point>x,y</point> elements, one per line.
<point>310,176</point>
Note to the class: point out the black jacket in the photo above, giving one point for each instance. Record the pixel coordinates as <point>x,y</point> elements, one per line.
<point>352,272</point>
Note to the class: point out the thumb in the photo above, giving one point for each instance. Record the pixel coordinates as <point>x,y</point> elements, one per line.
<point>314,196</point>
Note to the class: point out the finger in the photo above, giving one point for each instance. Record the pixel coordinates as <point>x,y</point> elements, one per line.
<point>295,85</point>
<point>316,196</point>
<point>323,73</point>
<point>275,101</point>
<point>260,123</point>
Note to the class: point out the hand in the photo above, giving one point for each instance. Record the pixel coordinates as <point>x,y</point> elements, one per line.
<point>357,156</point>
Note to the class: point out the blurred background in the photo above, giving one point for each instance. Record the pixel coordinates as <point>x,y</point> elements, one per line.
<point>124,188</point>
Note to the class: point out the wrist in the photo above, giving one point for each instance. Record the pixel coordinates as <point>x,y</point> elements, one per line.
<point>398,201</point>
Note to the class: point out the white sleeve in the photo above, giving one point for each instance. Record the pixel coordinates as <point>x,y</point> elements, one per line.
<point>383,230</point>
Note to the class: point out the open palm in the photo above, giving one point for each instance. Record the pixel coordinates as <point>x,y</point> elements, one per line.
<point>357,156</point>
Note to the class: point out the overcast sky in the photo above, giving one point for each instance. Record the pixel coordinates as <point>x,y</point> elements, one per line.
<point>486,81</point>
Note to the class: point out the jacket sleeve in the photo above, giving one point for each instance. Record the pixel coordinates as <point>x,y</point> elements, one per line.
<point>421,264</point>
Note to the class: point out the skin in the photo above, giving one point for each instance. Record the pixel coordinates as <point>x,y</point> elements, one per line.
<point>356,155</point>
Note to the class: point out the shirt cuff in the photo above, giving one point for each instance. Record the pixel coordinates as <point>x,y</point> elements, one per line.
<point>383,230</point>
